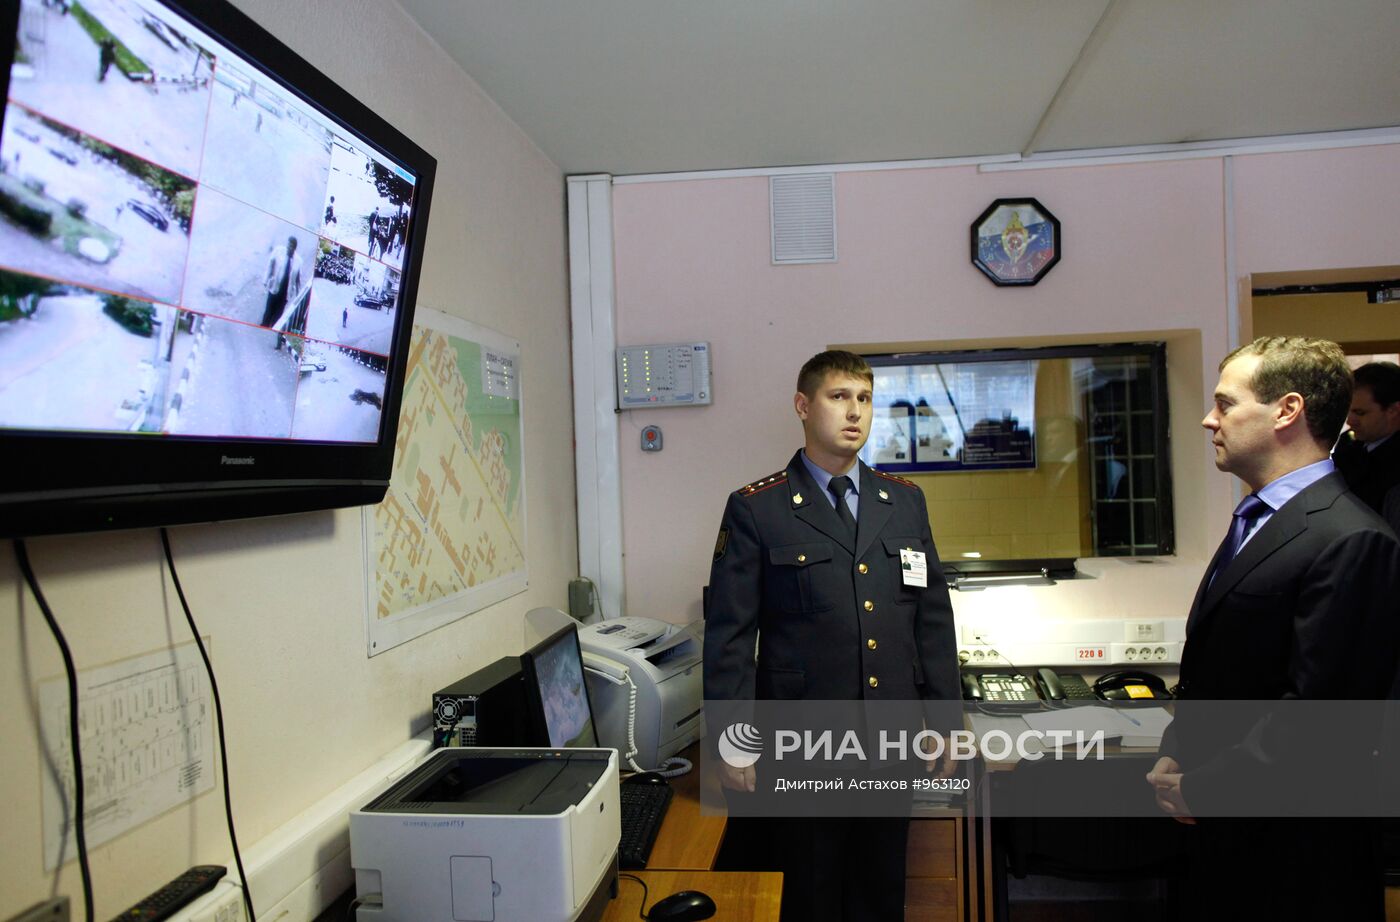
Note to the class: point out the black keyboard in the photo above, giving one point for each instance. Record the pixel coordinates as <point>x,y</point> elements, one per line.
<point>643,809</point>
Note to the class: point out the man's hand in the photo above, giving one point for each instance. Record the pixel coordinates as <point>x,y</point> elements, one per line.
<point>737,779</point>
<point>1165,777</point>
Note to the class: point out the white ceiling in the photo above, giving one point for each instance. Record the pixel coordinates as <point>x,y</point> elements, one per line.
<point>646,86</point>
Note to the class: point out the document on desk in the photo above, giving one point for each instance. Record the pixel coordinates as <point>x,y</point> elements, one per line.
<point>1013,726</point>
<point>1135,727</point>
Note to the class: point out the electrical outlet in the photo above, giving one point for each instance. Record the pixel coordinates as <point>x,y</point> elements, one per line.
<point>55,910</point>
<point>1144,653</point>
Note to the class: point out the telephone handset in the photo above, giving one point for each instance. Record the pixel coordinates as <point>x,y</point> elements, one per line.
<point>611,670</point>
<point>1131,685</point>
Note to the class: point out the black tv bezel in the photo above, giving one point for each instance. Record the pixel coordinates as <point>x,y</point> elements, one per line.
<point>534,700</point>
<point>58,482</point>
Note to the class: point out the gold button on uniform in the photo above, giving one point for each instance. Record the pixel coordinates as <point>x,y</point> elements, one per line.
<point>863,568</point>
<point>874,682</point>
<point>871,643</point>
<point>869,605</point>
<point>801,558</point>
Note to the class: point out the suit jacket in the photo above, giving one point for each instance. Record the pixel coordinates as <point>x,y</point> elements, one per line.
<point>1370,474</point>
<point>1390,509</point>
<point>832,617</point>
<point>1309,609</point>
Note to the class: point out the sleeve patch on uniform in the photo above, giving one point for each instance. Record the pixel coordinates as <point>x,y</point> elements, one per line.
<point>722,542</point>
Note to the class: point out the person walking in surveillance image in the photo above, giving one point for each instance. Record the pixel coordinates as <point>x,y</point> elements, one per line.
<point>106,57</point>
<point>283,281</point>
<point>373,222</point>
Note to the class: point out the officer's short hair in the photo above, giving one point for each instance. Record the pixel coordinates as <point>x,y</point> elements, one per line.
<point>836,361</point>
<point>1382,379</point>
<point>1314,368</point>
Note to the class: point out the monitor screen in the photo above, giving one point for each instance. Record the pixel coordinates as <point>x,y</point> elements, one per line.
<point>203,243</point>
<point>557,691</point>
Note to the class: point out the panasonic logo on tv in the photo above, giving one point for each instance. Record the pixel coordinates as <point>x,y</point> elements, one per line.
<point>225,459</point>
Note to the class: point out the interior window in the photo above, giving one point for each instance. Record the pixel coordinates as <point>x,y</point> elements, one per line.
<point>1030,458</point>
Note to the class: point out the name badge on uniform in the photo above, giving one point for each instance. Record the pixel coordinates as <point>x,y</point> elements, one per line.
<point>914,565</point>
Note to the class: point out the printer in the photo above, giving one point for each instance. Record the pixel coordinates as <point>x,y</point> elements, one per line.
<point>491,835</point>
<point>644,681</point>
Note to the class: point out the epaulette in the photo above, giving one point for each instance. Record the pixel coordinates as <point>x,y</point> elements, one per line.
<point>772,480</point>
<point>907,483</point>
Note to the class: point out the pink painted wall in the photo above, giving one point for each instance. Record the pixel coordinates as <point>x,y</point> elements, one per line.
<point>1317,210</point>
<point>1143,257</point>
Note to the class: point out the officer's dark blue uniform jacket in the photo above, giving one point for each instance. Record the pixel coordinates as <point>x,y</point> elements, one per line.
<point>833,620</point>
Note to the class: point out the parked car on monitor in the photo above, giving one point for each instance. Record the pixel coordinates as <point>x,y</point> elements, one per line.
<point>155,218</point>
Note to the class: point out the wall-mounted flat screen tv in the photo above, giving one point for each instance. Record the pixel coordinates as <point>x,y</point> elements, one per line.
<point>209,256</point>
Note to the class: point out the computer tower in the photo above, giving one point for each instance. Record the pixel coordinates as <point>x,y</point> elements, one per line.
<point>487,708</point>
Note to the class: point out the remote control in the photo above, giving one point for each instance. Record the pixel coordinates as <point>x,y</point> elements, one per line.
<point>168,900</point>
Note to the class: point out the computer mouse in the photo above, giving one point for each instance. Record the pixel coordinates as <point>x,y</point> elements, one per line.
<point>647,778</point>
<point>685,906</point>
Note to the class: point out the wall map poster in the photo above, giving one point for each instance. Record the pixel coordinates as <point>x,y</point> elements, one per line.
<point>449,537</point>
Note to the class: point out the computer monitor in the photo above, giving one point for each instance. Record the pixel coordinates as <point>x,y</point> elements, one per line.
<point>556,693</point>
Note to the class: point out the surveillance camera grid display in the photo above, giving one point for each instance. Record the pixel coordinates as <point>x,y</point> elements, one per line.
<point>559,673</point>
<point>186,248</point>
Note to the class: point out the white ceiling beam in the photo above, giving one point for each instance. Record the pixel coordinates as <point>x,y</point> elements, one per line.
<point>1076,68</point>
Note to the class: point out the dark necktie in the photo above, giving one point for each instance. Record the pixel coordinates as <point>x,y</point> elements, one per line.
<point>839,486</point>
<point>1249,509</point>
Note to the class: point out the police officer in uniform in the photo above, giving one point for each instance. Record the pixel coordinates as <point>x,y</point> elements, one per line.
<point>819,565</point>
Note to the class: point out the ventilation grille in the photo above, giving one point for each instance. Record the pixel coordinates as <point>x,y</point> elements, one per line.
<point>804,218</point>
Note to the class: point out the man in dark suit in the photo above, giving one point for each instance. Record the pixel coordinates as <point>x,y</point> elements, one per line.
<point>816,564</point>
<point>1300,602</point>
<point>1370,458</point>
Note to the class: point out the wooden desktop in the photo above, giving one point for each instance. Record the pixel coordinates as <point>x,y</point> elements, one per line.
<point>685,851</point>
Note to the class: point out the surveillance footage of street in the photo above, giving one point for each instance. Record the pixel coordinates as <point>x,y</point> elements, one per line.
<point>185,248</point>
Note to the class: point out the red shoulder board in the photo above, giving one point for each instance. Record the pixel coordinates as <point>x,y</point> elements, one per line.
<point>907,483</point>
<point>772,480</point>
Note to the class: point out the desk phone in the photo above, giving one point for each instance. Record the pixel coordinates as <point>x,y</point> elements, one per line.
<point>1015,689</point>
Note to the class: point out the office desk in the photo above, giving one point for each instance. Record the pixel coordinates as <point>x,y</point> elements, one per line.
<point>686,847</point>
<point>740,896</point>
<point>989,840</point>
<point>688,840</point>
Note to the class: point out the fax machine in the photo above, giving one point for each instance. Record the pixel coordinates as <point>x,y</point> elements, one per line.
<point>644,681</point>
<point>491,835</point>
